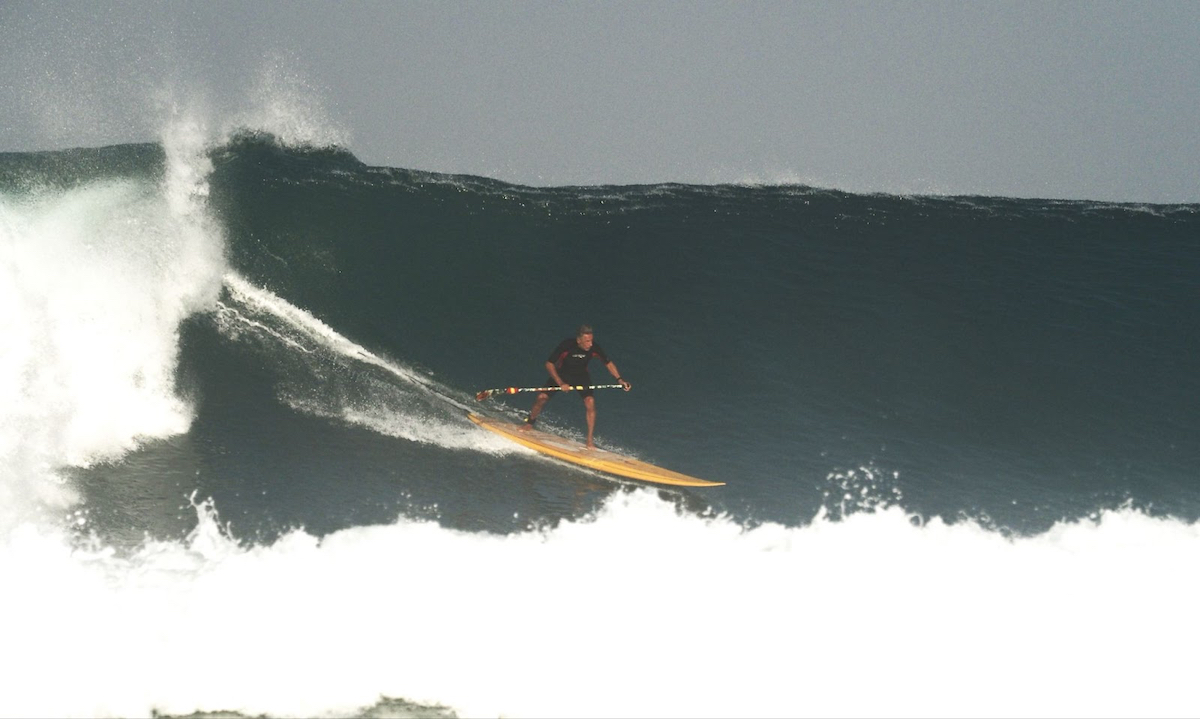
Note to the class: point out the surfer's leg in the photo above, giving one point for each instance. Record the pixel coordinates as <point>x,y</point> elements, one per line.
<point>590,404</point>
<point>542,399</point>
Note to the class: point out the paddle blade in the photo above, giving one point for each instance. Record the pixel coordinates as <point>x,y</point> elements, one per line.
<point>481,396</point>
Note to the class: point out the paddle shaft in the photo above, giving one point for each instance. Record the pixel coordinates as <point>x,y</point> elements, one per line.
<point>513,390</point>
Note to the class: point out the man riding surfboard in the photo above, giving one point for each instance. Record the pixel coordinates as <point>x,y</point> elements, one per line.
<point>567,367</point>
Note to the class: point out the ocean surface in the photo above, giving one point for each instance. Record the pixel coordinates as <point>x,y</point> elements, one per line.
<point>960,436</point>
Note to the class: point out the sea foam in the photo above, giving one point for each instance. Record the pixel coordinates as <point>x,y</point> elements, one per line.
<point>96,280</point>
<point>638,610</point>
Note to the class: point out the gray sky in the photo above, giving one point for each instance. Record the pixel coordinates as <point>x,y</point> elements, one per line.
<point>1088,100</point>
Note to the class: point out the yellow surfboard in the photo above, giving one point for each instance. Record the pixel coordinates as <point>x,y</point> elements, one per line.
<point>569,450</point>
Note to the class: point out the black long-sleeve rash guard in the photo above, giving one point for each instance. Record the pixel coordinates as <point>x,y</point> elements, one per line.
<point>571,360</point>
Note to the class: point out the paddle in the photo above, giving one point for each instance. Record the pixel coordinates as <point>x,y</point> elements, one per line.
<point>481,396</point>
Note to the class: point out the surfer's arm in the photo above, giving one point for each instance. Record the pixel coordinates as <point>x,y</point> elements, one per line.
<point>612,368</point>
<point>553,370</point>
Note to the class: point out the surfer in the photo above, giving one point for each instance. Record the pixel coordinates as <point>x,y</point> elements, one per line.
<point>567,366</point>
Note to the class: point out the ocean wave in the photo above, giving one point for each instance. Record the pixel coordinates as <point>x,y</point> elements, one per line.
<point>617,613</point>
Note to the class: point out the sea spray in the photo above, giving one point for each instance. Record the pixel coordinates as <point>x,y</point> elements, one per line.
<point>328,375</point>
<point>97,279</point>
<point>284,103</point>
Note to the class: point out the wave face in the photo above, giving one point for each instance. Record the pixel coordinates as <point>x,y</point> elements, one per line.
<point>970,352</point>
<point>959,436</point>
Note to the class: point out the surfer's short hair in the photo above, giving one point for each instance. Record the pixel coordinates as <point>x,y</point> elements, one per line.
<point>584,330</point>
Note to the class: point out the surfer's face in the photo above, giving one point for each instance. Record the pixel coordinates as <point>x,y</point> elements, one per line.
<point>584,342</point>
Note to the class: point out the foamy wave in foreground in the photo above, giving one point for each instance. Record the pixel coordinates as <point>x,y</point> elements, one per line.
<point>638,611</point>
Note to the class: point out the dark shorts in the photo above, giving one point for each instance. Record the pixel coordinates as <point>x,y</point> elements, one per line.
<point>574,382</point>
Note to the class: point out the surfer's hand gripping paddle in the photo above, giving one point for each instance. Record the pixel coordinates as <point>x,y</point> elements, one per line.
<point>481,396</point>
